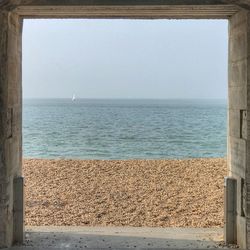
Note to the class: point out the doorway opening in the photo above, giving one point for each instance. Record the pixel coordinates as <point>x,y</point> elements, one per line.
<point>136,186</point>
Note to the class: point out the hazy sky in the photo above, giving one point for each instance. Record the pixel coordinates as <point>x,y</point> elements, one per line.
<point>125,58</point>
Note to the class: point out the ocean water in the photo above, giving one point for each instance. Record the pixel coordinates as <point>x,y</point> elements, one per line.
<point>124,129</point>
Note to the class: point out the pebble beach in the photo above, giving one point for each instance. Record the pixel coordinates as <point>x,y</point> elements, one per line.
<point>138,193</point>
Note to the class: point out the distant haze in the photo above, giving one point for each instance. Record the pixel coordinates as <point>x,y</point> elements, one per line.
<point>125,58</point>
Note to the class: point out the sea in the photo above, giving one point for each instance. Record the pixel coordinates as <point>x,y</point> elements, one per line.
<point>124,129</point>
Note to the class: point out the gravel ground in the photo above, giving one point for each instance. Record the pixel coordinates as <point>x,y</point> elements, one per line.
<point>152,193</point>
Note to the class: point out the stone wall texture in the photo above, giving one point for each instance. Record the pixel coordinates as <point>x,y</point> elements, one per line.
<point>11,14</point>
<point>10,120</point>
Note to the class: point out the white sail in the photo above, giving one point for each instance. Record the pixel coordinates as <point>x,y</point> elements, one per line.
<point>73,97</point>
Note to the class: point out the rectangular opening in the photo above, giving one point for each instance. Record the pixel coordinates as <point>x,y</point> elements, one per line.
<point>182,127</point>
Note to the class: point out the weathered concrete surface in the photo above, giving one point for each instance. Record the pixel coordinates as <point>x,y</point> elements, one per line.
<point>10,85</point>
<point>238,129</point>
<point>18,189</point>
<point>242,3</point>
<point>121,238</point>
<point>10,120</point>
<point>129,12</point>
<point>230,229</point>
<point>152,9</point>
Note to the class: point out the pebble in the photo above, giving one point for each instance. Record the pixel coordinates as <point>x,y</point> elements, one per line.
<point>153,193</point>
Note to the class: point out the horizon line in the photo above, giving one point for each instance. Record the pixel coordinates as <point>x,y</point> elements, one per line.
<point>152,98</point>
<point>116,98</point>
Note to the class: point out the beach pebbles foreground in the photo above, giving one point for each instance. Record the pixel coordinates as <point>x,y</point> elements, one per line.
<point>154,193</point>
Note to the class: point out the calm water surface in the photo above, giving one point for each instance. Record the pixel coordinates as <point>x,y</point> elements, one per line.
<point>124,129</point>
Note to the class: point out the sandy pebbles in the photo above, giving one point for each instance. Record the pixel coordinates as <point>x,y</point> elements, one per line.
<point>154,193</point>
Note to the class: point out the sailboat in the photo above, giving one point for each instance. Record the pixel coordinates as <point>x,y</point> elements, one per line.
<point>73,97</point>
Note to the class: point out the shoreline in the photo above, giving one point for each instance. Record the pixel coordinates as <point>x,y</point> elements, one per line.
<point>151,193</point>
<point>132,159</point>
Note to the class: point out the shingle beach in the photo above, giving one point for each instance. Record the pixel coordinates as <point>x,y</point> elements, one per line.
<point>152,193</point>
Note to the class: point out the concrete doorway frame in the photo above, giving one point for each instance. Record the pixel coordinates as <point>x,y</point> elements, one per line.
<point>12,13</point>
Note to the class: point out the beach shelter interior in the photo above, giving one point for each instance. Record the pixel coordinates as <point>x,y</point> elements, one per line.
<point>12,13</point>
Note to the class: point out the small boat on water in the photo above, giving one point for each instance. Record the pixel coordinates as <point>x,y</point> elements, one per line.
<point>73,97</point>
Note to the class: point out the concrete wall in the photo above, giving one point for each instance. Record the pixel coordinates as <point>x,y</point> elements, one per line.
<point>239,123</point>
<point>10,120</point>
<point>11,12</point>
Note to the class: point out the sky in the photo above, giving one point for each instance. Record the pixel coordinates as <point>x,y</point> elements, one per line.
<point>156,59</point>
